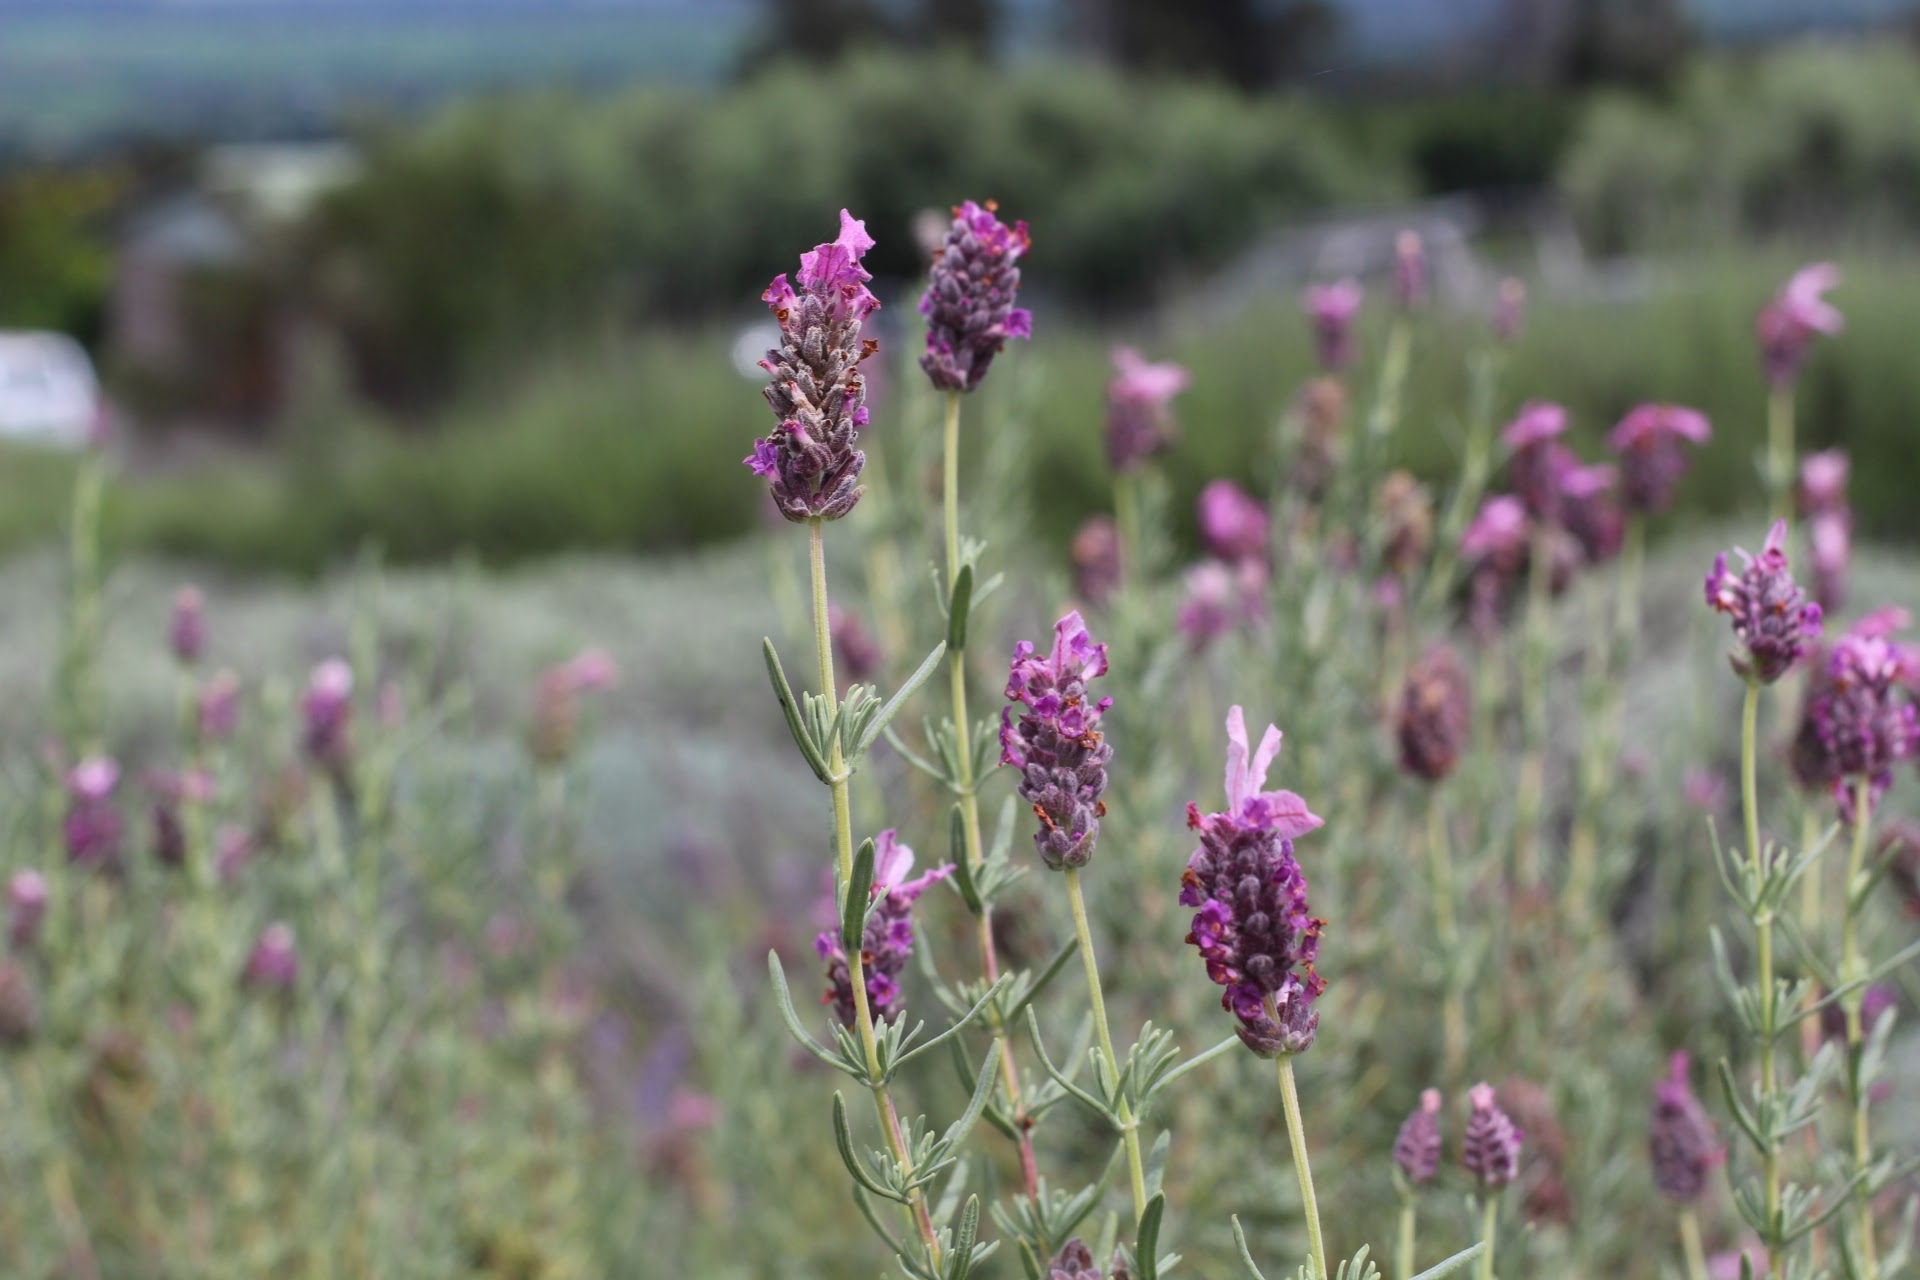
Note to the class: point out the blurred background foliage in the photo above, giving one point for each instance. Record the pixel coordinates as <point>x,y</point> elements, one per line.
<point>512,328</point>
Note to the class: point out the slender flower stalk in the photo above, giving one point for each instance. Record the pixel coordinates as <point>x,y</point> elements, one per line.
<point>1786,328</point>
<point>1763,929</point>
<point>1129,1123</point>
<point>1297,1137</point>
<point>1853,969</point>
<point>843,854</point>
<point>1690,1246</point>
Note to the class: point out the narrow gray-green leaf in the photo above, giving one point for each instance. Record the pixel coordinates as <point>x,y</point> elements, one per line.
<point>1453,1264</point>
<point>962,864</point>
<point>1246,1255</point>
<point>853,912</point>
<point>783,998</point>
<point>898,700</point>
<point>959,604</point>
<point>962,1264</point>
<point>791,709</point>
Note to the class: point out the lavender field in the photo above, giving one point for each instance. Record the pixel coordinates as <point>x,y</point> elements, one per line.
<point>1500,874</point>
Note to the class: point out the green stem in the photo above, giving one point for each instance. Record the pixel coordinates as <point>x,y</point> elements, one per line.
<point>1780,451</point>
<point>968,787</point>
<point>843,853</point>
<point>1297,1136</point>
<point>1408,1222</point>
<point>1690,1245</point>
<point>1852,969</point>
<point>1534,645</point>
<point>1490,1233</point>
<point>1447,932</point>
<point>1763,929</point>
<point>1129,1127</point>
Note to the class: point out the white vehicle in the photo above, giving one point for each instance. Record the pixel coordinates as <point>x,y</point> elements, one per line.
<point>48,392</point>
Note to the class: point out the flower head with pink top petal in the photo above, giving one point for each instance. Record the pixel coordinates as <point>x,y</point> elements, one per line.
<point>1652,443</point>
<point>1051,733</point>
<point>1140,420</point>
<point>815,386</point>
<point>1252,925</point>
<point>888,939</point>
<point>1800,312</point>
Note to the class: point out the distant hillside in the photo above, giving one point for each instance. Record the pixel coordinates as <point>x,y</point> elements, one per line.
<point>74,74</point>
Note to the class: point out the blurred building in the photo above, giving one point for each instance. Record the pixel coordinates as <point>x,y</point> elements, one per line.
<point>197,330</point>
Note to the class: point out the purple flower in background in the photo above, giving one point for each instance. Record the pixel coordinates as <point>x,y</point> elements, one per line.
<point>1098,561</point>
<point>1055,741</point>
<point>26,908</point>
<point>888,939</point>
<point>219,707</point>
<point>1410,271</point>
<point>1864,721</point>
<point>1417,1148</point>
<point>1221,597</point>
<point>1652,443</point>
<point>1075,1262</point>
<point>970,295</point>
<point>92,827</point>
<point>859,653</point>
<point>1830,548</point>
<point>1331,309</point>
<point>815,388</point>
<point>1233,523</point>
<point>326,712</point>
<point>1253,927</point>
<point>1496,537</point>
<point>1787,326</point>
<point>233,849</point>
<point>1681,1140</point>
<point>1436,714</point>
<point>1491,1148</point>
<point>1588,511</point>
<point>1705,790</point>
<point>171,791</point>
<point>274,963</point>
<point>556,702</point>
<point>1537,458</point>
<point>1405,513</point>
<point>1139,408</point>
<point>1875,1003</point>
<point>1509,310</point>
<point>1823,481</point>
<point>187,630</point>
<point>1772,618</point>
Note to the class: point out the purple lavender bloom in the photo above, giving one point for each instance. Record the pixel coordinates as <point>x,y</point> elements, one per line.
<point>1410,271</point>
<point>1331,308</point>
<point>93,827</point>
<point>170,792</point>
<point>187,630</point>
<point>1772,618</point>
<point>1417,1148</point>
<point>1233,523</point>
<point>1491,1148</point>
<point>1056,743</point>
<point>219,707</point>
<point>1405,512</point>
<point>970,295</point>
<point>1864,721</point>
<point>816,390</point>
<point>1651,442</point>
<point>1098,561</point>
<point>556,702</point>
<point>274,963</point>
<point>1588,511</point>
<point>888,940</point>
<point>1436,714</point>
<point>1823,481</point>
<point>1830,547</point>
<point>326,711</point>
<point>1537,458</point>
<point>1139,408</point>
<point>1496,537</point>
<point>1074,1262</point>
<point>1221,597</point>
<point>1681,1140</point>
<point>1509,310</point>
<point>1787,326</point>
<point>26,908</point>
<point>1252,927</point>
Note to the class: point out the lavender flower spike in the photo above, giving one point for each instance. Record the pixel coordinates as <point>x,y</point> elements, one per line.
<point>1787,326</point>
<point>187,629</point>
<point>1252,927</point>
<point>816,390</point>
<point>92,827</point>
<point>1055,741</point>
<point>327,711</point>
<point>888,939</point>
<point>970,295</point>
<point>1139,408</point>
<point>1417,1149</point>
<point>1436,714</point>
<point>1680,1138</point>
<point>26,908</point>
<point>1331,309</point>
<point>1410,271</point>
<point>1861,713</point>
<point>1491,1149</point>
<point>1233,523</point>
<point>1074,1262</point>
<point>1772,618</point>
<point>1651,442</point>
